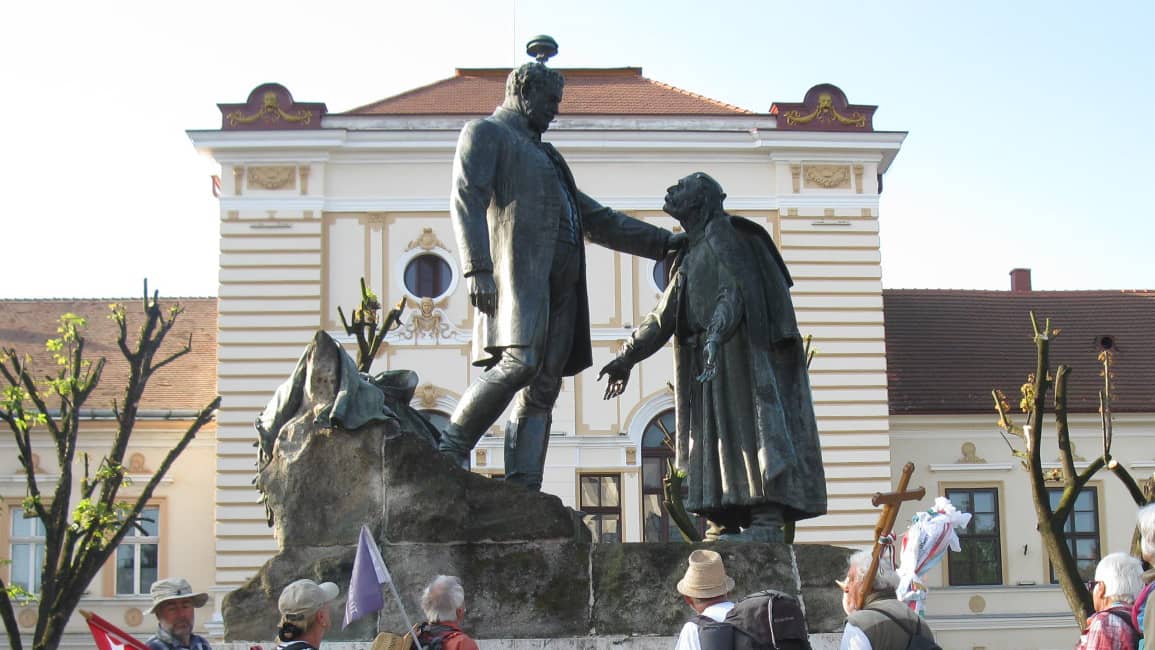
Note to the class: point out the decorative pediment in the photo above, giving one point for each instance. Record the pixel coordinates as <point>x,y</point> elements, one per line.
<point>271,107</point>
<point>824,109</point>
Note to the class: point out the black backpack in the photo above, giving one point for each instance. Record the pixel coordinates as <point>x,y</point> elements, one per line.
<point>433,636</point>
<point>767,620</point>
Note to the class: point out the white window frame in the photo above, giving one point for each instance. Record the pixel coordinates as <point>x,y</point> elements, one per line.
<point>31,581</point>
<point>137,541</point>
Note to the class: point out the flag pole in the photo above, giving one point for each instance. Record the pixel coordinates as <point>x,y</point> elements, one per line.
<point>404,615</point>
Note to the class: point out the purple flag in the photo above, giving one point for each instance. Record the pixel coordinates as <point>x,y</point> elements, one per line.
<point>369,573</point>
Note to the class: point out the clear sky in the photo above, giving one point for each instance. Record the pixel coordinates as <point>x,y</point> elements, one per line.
<point>1031,141</point>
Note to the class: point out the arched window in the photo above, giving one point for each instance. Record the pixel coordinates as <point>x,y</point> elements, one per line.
<point>428,276</point>
<point>657,454</point>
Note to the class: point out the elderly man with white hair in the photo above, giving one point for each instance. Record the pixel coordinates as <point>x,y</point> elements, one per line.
<point>443,602</point>
<point>1118,578</point>
<point>877,620</point>
<point>1145,603</point>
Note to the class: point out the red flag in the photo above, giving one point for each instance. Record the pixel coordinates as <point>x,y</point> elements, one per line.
<point>216,186</point>
<point>110,637</point>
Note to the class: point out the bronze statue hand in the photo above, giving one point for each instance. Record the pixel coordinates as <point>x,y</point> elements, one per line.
<point>618,372</point>
<point>709,361</point>
<point>483,292</point>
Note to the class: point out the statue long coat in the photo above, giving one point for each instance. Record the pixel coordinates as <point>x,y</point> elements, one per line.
<point>506,207</point>
<point>748,436</point>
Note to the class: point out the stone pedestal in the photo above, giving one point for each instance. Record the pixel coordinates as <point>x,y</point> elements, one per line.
<point>529,568</point>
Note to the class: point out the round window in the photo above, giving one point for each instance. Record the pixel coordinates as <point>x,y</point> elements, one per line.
<point>662,272</point>
<point>428,276</point>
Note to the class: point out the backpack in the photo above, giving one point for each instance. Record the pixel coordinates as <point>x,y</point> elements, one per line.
<point>767,620</point>
<point>917,641</point>
<point>433,636</point>
<point>1126,618</point>
<point>1137,611</point>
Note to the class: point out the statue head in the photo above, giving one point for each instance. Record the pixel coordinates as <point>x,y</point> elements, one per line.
<point>694,199</point>
<point>535,91</point>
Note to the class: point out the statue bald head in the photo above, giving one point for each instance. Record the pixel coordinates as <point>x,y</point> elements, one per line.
<point>694,199</point>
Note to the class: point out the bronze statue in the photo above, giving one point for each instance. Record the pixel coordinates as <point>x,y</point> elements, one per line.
<point>746,432</point>
<point>520,224</point>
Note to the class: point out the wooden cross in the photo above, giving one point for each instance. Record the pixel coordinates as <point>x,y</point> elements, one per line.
<point>890,502</point>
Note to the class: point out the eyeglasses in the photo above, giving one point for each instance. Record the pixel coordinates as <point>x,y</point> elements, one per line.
<point>1091,585</point>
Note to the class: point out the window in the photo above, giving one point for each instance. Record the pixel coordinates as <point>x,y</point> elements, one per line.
<point>601,502</point>
<point>1081,531</point>
<point>980,561</point>
<point>428,276</point>
<point>657,452</point>
<point>661,272</point>
<point>26,546</point>
<point>137,557</point>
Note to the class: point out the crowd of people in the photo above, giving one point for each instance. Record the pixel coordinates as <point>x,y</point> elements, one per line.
<point>876,620</point>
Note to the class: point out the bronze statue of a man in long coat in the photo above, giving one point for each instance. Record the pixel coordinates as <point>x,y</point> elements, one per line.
<point>521,224</point>
<point>746,431</point>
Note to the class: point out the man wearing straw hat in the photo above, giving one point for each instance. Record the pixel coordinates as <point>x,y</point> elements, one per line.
<point>706,589</point>
<point>175,604</point>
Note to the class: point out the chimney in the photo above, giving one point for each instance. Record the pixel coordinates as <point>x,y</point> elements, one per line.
<point>1020,280</point>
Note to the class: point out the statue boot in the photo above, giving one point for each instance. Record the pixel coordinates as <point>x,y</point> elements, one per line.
<point>456,443</point>
<point>766,524</point>
<point>526,442</point>
<point>725,525</point>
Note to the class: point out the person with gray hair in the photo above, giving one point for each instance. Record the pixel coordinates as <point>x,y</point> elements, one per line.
<point>1118,579</point>
<point>443,602</point>
<point>877,620</point>
<point>1144,609</point>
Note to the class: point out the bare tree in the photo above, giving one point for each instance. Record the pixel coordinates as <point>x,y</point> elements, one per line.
<point>82,531</point>
<point>1052,520</point>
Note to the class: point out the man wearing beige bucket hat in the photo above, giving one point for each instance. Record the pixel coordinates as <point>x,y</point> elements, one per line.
<point>175,604</point>
<point>305,614</point>
<point>706,588</point>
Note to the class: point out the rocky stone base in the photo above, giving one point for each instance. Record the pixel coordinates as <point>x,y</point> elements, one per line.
<point>548,589</point>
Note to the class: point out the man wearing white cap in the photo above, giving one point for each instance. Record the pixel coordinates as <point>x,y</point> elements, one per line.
<point>706,588</point>
<point>305,615</point>
<point>175,604</point>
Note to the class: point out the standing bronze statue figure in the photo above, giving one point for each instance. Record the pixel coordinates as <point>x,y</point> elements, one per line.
<point>746,434</point>
<point>520,224</point>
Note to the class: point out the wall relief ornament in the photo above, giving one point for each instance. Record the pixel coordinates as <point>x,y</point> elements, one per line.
<point>427,240</point>
<point>429,324</point>
<point>278,177</point>
<point>825,109</point>
<point>428,394</point>
<point>968,455</point>
<point>828,176</point>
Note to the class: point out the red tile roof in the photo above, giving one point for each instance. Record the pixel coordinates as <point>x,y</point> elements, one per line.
<point>610,91</point>
<point>946,349</point>
<point>188,383</point>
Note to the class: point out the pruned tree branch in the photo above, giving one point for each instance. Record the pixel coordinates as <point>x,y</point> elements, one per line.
<point>81,535</point>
